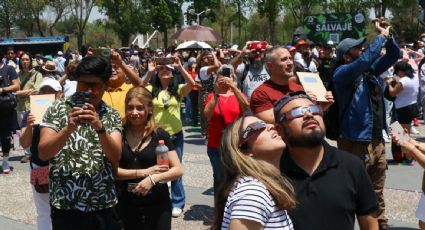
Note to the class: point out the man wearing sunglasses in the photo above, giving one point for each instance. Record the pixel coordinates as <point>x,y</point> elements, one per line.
<point>331,185</point>
<point>359,93</point>
<point>81,137</point>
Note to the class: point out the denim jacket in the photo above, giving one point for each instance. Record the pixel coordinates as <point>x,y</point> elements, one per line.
<point>356,123</point>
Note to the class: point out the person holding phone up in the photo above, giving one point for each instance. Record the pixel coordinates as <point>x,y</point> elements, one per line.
<point>144,202</point>
<point>81,137</point>
<point>222,107</point>
<point>167,98</point>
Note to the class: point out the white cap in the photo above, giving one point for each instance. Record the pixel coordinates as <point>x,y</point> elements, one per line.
<point>135,52</point>
<point>330,42</point>
<point>52,83</point>
<point>60,53</point>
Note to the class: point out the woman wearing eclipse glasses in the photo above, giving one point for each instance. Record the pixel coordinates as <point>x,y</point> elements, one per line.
<point>254,194</point>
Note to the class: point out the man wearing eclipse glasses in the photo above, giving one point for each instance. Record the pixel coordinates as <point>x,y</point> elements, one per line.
<point>331,185</point>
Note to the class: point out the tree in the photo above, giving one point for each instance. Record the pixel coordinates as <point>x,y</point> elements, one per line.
<point>7,15</point>
<point>200,5</point>
<point>127,17</point>
<point>301,8</point>
<point>60,9</point>
<point>81,10</point>
<point>240,5</point>
<point>161,19</point>
<point>270,9</point>
<point>405,22</point>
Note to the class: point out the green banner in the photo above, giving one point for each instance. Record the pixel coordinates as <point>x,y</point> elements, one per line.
<point>334,27</point>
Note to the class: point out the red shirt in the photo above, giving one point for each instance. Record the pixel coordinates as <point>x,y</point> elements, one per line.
<point>264,97</point>
<point>230,111</point>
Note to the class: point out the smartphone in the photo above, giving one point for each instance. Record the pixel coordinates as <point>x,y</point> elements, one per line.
<point>78,99</point>
<point>258,46</point>
<point>131,186</point>
<point>226,72</point>
<point>164,61</point>
<point>398,131</point>
<point>103,52</point>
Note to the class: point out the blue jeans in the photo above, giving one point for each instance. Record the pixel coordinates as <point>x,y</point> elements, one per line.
<point>187,108</point>
<point>215,160</point>
<point>177,189</point>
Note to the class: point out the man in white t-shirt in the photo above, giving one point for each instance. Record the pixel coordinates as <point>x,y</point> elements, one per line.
<point>253,74</point>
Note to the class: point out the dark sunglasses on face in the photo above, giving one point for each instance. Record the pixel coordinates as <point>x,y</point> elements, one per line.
<point>300,112</point>
<point>84,87</point>
<point>250,130</point>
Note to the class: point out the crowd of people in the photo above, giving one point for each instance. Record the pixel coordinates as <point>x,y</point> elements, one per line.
<point>93,156</point>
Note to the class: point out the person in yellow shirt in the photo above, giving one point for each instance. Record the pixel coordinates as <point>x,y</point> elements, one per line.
<point>117,86</point>
<point>168,96</point>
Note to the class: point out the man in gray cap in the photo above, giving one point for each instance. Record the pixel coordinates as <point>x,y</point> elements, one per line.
<point>359,96</point>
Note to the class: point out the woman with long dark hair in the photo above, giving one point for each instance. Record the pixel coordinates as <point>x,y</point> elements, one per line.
<point>144,202</point>
<point>222,107</point>
<point>167,99</point>
<point>254,194</point>
<point>405,89</point>
<point>206,64</point>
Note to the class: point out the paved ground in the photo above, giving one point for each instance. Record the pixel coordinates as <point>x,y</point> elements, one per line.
<point>17,210</point>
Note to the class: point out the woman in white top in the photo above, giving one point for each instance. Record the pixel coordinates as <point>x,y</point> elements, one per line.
<point>405,89</point>
<point>253,194</point>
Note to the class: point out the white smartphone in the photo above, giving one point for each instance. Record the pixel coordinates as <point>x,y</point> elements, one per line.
<point>398,131</point>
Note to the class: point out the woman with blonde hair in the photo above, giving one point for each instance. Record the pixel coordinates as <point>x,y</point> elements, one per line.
<point>254,195</point>
<point>144,202</point>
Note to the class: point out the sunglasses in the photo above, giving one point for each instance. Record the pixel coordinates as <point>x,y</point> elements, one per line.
<point>85,86</point>
<point>300,112</point>
<point>250,130</point>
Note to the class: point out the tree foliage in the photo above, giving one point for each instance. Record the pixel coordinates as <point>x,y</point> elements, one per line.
<point>81,10</point>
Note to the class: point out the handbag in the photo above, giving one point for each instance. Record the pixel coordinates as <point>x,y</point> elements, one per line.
<point>8,101</point>
<point>40,179</point>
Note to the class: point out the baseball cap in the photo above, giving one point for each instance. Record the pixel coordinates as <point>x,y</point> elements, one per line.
<point>60,53</point>
<point>286,99</point>
<point>347,44</point>
<point>52,83</point>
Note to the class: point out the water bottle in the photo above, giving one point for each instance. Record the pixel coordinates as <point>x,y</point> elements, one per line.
<point>161,152</point>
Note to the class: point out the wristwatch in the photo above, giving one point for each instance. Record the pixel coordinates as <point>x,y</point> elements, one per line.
<point>101,130</point>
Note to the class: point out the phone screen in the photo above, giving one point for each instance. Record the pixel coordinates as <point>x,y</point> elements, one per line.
<point>397,130</point>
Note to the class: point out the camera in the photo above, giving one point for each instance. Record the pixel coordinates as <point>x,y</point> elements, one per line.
<point>78,99</point>
<point>103,52</point>
<point>258,46</point>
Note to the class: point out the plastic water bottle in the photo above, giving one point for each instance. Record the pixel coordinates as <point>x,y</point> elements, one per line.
<point>161,152</point>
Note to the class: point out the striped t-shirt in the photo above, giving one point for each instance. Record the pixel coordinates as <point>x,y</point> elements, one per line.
<point>250,200</point>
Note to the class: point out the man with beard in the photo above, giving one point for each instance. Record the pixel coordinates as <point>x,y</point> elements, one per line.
<point>117,86</point>
<point>252,74</point>
<point>359,94</point>
<point>332,186</point>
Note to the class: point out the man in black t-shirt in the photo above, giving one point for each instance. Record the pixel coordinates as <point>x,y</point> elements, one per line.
<point>332,186</point>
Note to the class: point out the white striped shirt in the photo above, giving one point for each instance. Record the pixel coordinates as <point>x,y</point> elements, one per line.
<point>250,200</point>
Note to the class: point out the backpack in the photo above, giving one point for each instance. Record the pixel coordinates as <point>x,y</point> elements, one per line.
<point>331,118</point>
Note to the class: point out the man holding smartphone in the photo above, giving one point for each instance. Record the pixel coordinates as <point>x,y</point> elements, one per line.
<point>82,144</point>
<point>356,77</point>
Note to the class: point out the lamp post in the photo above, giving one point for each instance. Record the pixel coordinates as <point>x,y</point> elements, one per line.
<point>192,11</point>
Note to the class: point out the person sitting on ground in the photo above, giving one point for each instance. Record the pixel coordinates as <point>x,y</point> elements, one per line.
<point>253,195</point>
